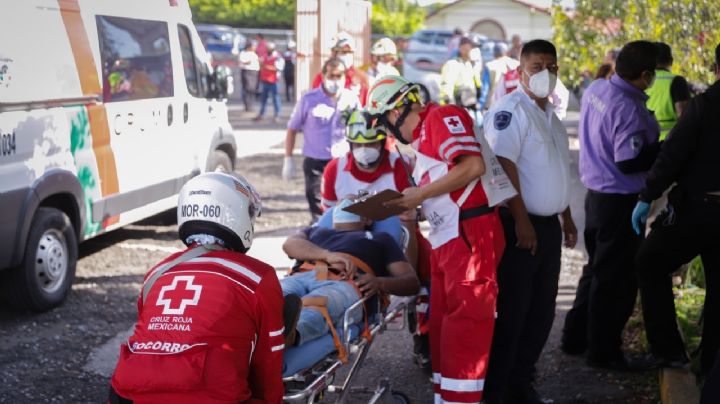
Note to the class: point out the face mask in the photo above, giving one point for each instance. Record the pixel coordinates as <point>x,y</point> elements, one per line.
<point>542,84</point>
<point>332,86</point>
<point>347,59</point>
<point>366,156</point>
<point>382,66</point>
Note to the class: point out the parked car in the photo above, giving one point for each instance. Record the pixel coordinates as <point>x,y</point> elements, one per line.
<point>124,110</point>
<point>224,44</point>
<point>427,49</point>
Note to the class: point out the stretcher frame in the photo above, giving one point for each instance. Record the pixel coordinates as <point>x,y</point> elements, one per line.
<point>320,377</point>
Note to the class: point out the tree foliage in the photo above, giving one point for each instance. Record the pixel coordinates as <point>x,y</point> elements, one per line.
<point>584,35</point>
<point>245,13</point>
<point>396,17</point>
<point>389,17</point>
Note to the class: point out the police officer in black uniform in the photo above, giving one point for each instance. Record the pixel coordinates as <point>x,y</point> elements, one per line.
<point>689,226</point>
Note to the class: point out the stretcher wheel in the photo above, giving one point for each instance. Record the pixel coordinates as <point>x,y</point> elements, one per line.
<point>399,398</point>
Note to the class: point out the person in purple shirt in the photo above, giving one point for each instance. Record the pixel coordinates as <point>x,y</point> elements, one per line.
<point>318,115</point>
<point>618,144</point>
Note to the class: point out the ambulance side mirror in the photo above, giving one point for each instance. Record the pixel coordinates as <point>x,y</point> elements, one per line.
<point>222,82</point>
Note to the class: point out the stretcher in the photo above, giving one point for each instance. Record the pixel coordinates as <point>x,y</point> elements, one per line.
<point>310,370</point>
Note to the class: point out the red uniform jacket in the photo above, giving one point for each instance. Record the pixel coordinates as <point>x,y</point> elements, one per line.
<point>209,330</point>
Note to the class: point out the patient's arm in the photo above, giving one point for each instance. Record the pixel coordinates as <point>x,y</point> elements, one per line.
<point>299,247</point>
<point>403,282</point>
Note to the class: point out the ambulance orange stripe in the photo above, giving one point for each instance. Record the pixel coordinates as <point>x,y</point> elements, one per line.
<point>90,84</point>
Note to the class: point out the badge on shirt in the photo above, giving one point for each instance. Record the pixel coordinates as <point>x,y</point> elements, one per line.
<point>454,124</point>
<point>636,142</point>
<point>502,120</point>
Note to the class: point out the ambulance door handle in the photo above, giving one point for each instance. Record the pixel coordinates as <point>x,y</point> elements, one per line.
<point>185,112</point>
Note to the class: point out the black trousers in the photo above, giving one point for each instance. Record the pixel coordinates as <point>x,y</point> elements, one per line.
<point>528,286</point>
<point>607,289</point>
<point>313,171</point>
<point>693,230</point>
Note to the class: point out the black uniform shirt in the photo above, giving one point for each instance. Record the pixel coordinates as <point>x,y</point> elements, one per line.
<point>690,155</point>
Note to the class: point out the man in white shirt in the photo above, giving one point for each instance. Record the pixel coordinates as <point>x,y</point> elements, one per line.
<point>249,70</point>
<point>532,146</point>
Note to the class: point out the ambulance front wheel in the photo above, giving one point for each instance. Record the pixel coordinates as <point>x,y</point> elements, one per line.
<point>46,274</point>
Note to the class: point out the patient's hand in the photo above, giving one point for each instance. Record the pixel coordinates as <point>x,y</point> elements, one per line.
<point>369,284</point>
<point>340,261</point>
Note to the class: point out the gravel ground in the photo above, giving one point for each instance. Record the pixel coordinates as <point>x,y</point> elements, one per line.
<point>43,357</point>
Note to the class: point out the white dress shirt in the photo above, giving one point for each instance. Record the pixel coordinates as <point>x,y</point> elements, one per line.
<point>536,141</point>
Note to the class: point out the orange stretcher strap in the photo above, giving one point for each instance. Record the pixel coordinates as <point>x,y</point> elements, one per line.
<point>323,272</point>
<point>319,303</point>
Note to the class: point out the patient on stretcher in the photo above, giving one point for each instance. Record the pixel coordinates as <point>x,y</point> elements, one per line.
<point>341,264</point>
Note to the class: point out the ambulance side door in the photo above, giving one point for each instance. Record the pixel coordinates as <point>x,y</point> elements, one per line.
<point>138,91</point>
<point>196,119</point>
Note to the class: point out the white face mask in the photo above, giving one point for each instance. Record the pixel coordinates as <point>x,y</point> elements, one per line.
<point>333,86</point>
<point>347,59</point>
<point>382,66</point>
<point>366,156</point>
<point>541,84</point>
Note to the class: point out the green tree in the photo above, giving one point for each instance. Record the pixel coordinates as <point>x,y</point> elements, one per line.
<point>389,17</point>
<point>596,26</point>
<point>245,13</point>
<point>396,17</point>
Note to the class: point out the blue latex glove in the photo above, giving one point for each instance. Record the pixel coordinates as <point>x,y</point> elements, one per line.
<point>639,216</point>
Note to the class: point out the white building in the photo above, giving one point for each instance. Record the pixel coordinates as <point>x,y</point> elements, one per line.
<point>496,19</point>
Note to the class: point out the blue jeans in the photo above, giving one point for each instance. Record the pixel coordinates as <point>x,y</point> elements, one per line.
<point>341,295</point>
<point>269,89</point>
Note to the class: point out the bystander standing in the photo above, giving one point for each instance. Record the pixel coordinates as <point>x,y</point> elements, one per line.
<point>318,116</point>
<point>618,144</point>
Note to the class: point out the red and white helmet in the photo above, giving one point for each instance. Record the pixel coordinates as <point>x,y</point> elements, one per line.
<point>222,205</point>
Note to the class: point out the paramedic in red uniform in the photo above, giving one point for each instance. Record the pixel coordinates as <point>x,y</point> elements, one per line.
<point>210,319</point>
<point>466,235</point>
<point>370,166</point>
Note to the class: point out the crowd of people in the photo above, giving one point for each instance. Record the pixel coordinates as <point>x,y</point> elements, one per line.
<point>486,275</point>
<point>262,69</point>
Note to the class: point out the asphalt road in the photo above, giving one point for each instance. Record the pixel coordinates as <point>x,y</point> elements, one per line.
<point>68,354</point>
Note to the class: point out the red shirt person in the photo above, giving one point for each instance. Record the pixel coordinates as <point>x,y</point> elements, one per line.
<point>210,323</point>
<point>466,234</point>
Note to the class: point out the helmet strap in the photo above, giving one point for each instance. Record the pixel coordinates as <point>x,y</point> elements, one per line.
<point>395,129</point>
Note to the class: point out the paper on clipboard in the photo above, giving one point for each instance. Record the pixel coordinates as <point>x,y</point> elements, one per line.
<point>373,207</point>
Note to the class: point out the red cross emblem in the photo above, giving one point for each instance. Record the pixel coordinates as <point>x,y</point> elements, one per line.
<point>175,299</point>
<point>454,122</point>
<point>374,104</point>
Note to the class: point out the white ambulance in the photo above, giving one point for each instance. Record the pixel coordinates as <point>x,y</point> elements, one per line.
<point>107,108</point>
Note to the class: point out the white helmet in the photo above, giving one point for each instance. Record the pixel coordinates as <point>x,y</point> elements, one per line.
<point>343,41</point>
<point>222,205</point>
<point>384,46</point>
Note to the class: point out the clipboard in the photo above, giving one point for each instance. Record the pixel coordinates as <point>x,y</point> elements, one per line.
<point>373,207</point>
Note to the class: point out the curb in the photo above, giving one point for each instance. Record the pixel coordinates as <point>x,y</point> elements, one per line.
<point>678,386</point>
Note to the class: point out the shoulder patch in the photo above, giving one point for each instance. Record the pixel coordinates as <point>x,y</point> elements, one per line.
<point>454,124</point>
<point>502,120</point>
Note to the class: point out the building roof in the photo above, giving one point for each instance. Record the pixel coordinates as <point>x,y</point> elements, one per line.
<point>520,2</point>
